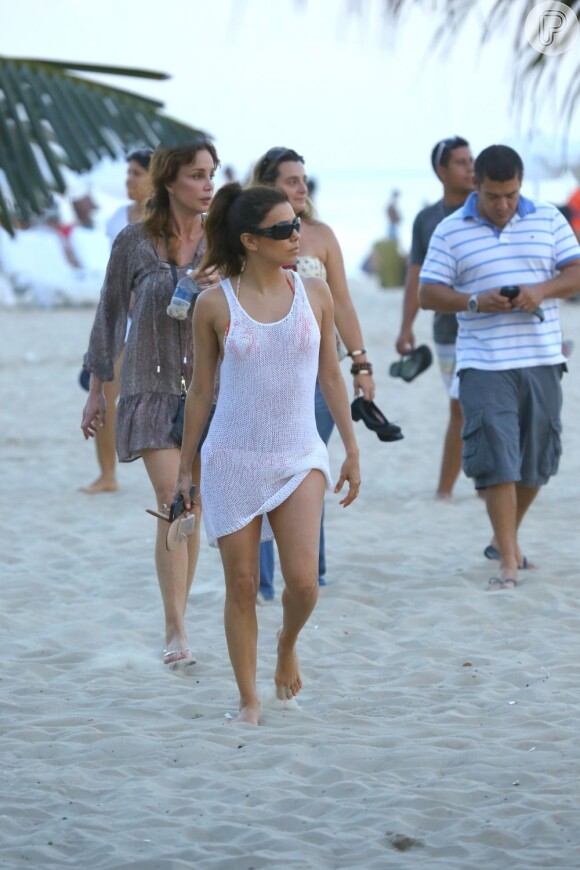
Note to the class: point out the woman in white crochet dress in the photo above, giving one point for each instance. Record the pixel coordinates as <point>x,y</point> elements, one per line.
<point>264,465</point>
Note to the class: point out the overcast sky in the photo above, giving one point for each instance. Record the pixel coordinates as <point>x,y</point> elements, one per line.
<point>345,90</point>
<point>353,93</point>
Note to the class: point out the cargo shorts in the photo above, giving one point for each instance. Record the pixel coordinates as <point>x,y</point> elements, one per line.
<point>512,424</point>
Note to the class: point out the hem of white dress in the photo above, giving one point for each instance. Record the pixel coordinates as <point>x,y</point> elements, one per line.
<point>264,511</point>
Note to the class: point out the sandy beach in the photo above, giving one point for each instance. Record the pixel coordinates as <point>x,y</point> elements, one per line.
<point>438,724</point>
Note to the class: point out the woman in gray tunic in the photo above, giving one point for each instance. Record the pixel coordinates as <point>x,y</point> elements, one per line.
<point>147,259</point>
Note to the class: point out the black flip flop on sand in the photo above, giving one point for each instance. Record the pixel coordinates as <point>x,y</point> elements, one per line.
<point>492,552</point>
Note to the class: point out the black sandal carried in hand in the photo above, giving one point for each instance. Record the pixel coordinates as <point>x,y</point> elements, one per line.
<point>180,525</point>
<point>375,420</point>
<point>412,364</point>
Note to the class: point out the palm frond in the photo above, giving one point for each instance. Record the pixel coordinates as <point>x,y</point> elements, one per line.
<point>101,69</point>
<point>51,117</point>
<point>534,73</point>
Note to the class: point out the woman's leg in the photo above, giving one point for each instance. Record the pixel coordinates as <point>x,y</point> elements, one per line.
<point>175,569</point>
<point>296,526</point>
<point>239,552</point>
<point>105,440</point>
<point>325,425</point>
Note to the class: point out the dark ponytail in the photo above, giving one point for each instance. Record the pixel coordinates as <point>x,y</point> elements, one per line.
<point>234,211</point>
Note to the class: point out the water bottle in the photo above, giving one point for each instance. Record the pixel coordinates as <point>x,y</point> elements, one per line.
<point>183,294</point>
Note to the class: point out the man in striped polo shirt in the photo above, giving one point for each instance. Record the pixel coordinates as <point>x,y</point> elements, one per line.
<point>500,264</point>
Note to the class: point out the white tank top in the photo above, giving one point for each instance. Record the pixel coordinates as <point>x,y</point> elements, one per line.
<point>263,439</point>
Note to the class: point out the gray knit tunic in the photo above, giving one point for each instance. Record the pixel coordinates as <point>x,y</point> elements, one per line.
<point>151,371</point>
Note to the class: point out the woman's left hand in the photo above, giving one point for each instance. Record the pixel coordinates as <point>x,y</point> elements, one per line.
<point>350,472</point>
<point>182,487</point>
<point>364,384</point>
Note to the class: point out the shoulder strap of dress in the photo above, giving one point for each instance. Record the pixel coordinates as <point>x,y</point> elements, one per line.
<point>298,283</point>
<point>226,285</point>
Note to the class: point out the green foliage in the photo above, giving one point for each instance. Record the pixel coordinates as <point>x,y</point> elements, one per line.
<point>50,117</point>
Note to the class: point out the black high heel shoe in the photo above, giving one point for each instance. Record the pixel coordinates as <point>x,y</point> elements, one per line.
<point>375,420</point>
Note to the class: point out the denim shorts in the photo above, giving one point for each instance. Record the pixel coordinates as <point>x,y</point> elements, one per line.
<point>512,429</point>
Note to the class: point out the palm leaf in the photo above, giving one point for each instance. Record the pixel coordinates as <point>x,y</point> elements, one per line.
<point>534,74</point>
<point>50,117</point>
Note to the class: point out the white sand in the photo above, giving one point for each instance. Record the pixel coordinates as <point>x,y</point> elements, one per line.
<point>438,725</point>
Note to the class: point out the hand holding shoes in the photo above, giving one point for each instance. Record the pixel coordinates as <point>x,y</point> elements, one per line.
<point>375,420</point>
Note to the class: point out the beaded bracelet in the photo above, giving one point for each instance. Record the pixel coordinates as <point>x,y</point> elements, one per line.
<point>354,353</point>
<point>361,368</point>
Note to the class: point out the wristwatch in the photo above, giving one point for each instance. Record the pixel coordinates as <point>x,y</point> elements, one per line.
<point>473,304</point>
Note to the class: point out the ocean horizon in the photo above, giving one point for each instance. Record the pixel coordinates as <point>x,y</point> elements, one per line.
<point>353,202</point>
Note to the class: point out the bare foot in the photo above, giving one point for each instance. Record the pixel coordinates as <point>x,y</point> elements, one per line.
<point>101,484</point>
<point>176,640</point>
<point>176,659</point>
<point>287,677</point>
<point>249,713</point>
<point>443,496</point>
<point>497,583</point>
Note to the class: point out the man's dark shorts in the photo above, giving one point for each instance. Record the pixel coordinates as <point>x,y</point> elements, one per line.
<point>512,424</point>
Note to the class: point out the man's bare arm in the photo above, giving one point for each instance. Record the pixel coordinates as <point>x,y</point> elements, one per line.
<point>406,339</point>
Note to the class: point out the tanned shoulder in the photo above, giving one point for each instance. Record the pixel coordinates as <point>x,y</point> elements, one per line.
<point>318,293</point>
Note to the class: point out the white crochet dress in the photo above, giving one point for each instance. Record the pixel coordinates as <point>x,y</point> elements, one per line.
<point>263,439</point>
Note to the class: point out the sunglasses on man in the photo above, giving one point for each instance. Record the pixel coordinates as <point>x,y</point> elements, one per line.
<point>443,146</point>
<point>280,231</point>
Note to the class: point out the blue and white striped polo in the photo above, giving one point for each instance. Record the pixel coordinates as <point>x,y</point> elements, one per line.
<point>472,255</point>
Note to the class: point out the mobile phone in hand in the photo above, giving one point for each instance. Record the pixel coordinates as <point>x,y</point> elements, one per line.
<point>178,506</point>
<point>512,291</point>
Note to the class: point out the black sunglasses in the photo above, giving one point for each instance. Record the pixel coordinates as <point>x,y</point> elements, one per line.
<point>280,231</point>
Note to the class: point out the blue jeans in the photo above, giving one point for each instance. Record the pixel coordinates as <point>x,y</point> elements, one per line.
<point>325,425</point>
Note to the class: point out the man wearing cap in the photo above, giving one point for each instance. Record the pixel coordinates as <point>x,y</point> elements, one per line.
<point>500,264</point>
<point>452,163</point>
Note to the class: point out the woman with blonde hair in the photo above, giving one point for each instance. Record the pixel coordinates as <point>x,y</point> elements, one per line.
<point>147,260</point>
